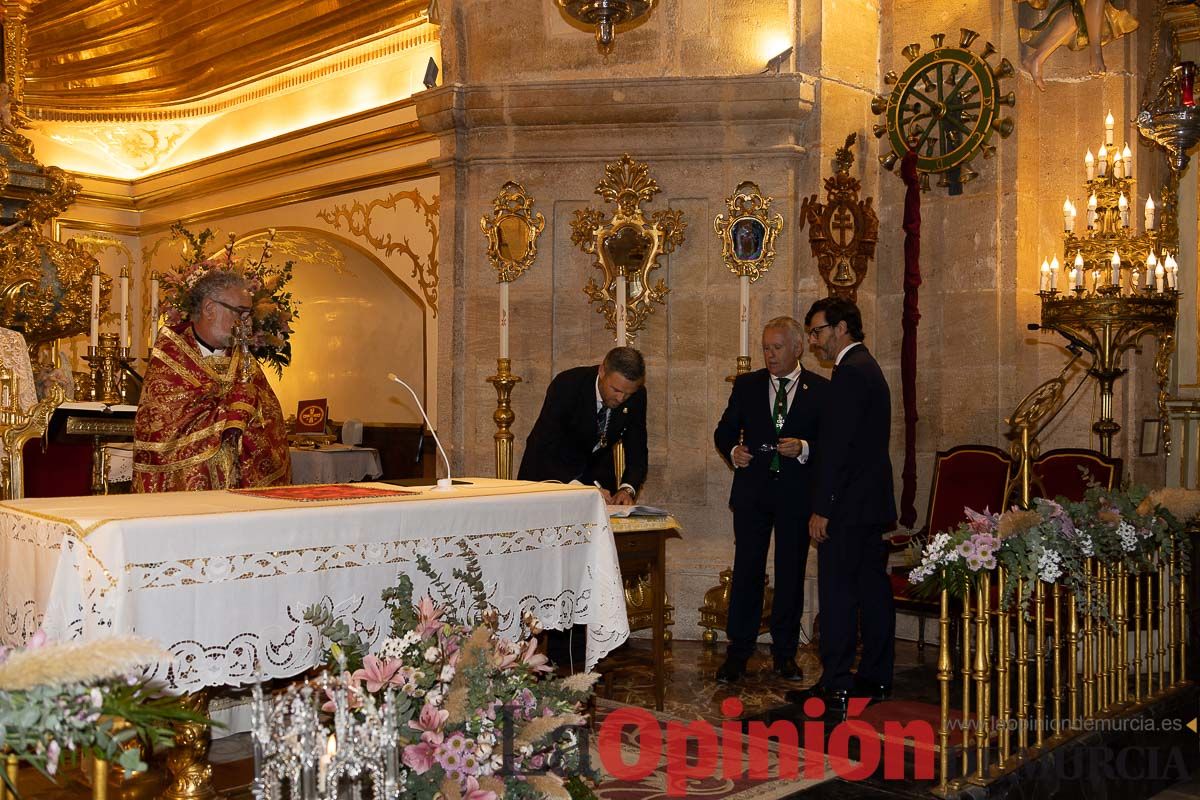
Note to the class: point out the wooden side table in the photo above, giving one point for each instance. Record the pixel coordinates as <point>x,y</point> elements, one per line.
<point>642,546</point>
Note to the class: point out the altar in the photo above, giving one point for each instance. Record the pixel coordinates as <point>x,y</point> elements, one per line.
<point>221,579</point>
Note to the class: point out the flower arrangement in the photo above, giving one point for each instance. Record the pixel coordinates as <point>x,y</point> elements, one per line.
<point>1053,541</point>
<point>477,715</point>
<point>274,307</point>
<point>61,699</point>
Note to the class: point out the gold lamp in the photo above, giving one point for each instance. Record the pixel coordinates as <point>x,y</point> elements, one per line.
<point>605,16</point>
<point>1117,284</point>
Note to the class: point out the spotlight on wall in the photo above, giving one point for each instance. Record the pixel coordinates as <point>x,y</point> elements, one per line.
<point>776,63</point>
<point>431,73</point>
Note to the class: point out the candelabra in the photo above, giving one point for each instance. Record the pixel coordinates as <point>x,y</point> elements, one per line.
<point>107,359</point>
<point>1121,285</point>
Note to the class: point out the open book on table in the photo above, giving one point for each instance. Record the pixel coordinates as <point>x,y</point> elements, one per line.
<point>637,511</point>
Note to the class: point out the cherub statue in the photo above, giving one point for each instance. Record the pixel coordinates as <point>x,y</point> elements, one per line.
<point>1077,24</point>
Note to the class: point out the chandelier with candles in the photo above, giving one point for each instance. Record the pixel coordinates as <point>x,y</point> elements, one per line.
<point>1117,284</point>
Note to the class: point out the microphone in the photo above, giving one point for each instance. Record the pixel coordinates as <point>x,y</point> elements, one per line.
<point>444,484</point>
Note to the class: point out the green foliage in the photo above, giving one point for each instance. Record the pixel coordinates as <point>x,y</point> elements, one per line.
<point>347,648</point>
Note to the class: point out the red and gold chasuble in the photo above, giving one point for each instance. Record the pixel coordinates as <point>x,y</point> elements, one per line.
<point>188,403</point>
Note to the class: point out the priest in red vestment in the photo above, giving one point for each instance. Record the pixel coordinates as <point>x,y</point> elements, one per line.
<point>208,419</point>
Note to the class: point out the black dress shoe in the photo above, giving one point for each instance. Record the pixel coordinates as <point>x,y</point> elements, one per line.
<point>834,699</point>
<point>731,671</point>
<point>876,692</point>
<point>787,669</point>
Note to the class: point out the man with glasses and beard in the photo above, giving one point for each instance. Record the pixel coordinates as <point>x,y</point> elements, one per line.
<point>207,419</point>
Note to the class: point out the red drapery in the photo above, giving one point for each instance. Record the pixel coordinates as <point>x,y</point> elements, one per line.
<point>908,348</point>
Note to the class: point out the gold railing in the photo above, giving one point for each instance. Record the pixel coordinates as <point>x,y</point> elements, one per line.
<point>1030,681</point>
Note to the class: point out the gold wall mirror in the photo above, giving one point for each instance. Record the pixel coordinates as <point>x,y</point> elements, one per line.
<point>627,243</point>
<point>748,232</point>
<point>512,231</point>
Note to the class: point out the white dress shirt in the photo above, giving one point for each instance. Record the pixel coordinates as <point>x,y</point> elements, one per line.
<point>793,379</point>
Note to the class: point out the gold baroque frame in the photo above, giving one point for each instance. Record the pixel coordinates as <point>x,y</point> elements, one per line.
<point>512,205</point>
<point>628,184</point>
<point>748,234</point>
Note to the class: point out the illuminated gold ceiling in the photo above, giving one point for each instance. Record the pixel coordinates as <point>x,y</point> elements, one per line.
<point>119,55</point>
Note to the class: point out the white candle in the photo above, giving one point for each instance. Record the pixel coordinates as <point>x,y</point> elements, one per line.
<point>1102,162</point>
<point>504,319</point>
<point>1089,164</point>
<point>1091,211</point>
<point>1115,269</point>
<point>1127,157</point>
<point>1109,122</point>
<point>1150,220</point>
<point>1054,274</point>
<point>1151,264</point>
<point>1045,282</point>
<point>94,330</point>
<point>1079,270</point>
<point>124,308</point>
<point>1123,207</point>
<point>1118,165</point>
<point>323,766</point>
<point>1159,272</point>
<point>744,317</point>
<point>1172,271</point>
<point>153,308</point>
<point>1068,216</point>
<point>622,337</point>
<point>1135,278</point>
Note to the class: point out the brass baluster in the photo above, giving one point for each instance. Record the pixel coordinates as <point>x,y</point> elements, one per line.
<point>1039,661</point>
<point>1003,730</point>
<point>966,681</point>
<point>1123,632</point>
<point>1022,674</point>
<point>1072,660</point>
<point>1089,679</point>
<point>1102,631</point>
<point>11,765</point>
<point>1183,626</point>
<point>982,675</point>
<point>945,676</point>
<point>1055,598</point>
<point>1137,638</point>
<point>1163,626</point>
<point>1172,613</point>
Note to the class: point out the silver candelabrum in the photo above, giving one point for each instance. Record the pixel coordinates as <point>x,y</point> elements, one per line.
<point>295,747</point>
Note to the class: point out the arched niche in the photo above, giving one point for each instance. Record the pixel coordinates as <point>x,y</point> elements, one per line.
<point>358,321</point>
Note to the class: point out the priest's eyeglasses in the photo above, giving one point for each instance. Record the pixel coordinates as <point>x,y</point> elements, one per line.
<point>241,311</point>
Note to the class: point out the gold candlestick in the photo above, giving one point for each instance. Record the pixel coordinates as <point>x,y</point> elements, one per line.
<point>743,366</point>
<point>105,360</point>
<point>504,381</point>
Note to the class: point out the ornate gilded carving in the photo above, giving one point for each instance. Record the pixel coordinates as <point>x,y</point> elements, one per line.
<point>140,147</point>
<point>627,243</point>
<point>748,234</point>
<point>357,219</point>
<point>843,230</point>
<point>512,231</point>
<point>19,429</point>
<point>45,286</point>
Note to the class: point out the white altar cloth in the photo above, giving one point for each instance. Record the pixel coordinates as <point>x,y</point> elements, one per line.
<point>221,579</point>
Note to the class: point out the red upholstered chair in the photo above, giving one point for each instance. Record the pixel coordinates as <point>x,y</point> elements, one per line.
<point>1056,473</point>
<point>968,476</point>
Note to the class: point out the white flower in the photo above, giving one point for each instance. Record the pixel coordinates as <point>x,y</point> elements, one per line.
<point>434,697</point>
<point>97,698</point>
<point>447,674</point>
<point>1049,566</point>
<point>1086,547</point>
<point>431,654</point>
<point>1128,536</point>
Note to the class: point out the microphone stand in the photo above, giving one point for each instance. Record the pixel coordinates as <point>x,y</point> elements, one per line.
<point>444,484</point>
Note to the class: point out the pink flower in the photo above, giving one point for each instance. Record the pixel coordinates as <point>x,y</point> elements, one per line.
<point>429,617</point>
<point>430,722</point>
<point>354,696</point>
<point>38,639</point>
<point>53,751</point>
<point>473,792</point>
<point>419,757</point>
<point>378,674</point>
<point>533,659</point>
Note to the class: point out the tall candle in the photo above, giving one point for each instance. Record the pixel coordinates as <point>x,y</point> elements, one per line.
<point>1054,274</point>
<point>1118,164</point>
<point>1079,270</point>
<point>1127,157</point>
<point>622,338</point>
<point>1068,216</point>
<point>744,317</point>
<point>1150,220</point>
<point>124,308</point>
<point>1123,207</point>
<point>1109,122</point>
<point>1045,283</point>
<point>1116,269</point>
<point>504,319</point>
<point>1089,164</point>
<point>1091,211</point>
<point>1151,264</point>
<point>94,330</point>
<point>153,308</point>
<point>1102,162</point>
<point>1172,271</point>
<point>1159,272</point>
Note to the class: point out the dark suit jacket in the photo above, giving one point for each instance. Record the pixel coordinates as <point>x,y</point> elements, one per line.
<point>559,447</point>
<point>749,413</point>
<point>855,484</point>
